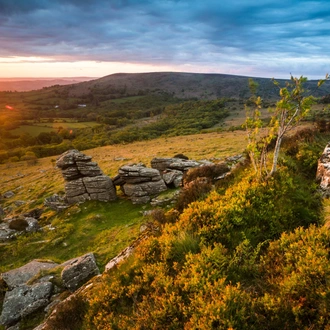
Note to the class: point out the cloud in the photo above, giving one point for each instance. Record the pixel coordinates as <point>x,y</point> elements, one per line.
<point>270,35</point>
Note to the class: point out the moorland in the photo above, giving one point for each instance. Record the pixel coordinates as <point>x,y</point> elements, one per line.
<point>243,253</point>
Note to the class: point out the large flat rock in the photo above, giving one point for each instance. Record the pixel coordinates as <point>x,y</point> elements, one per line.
<point>78,271</point>
<point>22,275</point>
<point>24,300</point>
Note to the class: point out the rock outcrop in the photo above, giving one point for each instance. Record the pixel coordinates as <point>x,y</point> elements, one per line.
<point>180,164</point>
<point>323,171</point>
<point>24,300</point>
<point>84,179</point>
<point>22,275</point>
<point>119,258</point>
<point>173,178</point>
<point>140,183</point>
<point>6,234</point>
<point>27,224</point>
<point>11,227</point>
<point>78,271</point>
<point>8,194</point>
<point>56,203</point>
<point>173,169</point>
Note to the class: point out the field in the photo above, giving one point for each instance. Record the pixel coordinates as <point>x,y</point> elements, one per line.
<point>38,128</point>
<point>125,99</point>
<point>97,223</point>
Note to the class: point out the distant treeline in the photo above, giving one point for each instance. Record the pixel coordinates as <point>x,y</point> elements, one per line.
<point>183,118</point>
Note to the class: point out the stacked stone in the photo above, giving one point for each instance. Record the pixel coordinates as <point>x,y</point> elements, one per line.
<point>139,182</point>
<point>84,179</point>
<point>172,169</point>
<point>180,164</point>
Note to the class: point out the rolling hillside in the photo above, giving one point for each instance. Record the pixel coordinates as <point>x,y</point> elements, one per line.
<point>183,85</point>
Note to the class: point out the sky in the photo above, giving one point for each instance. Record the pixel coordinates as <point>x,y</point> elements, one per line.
<point>95,38</point>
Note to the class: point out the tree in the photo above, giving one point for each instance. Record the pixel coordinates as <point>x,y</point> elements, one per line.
<point>256,148</point>
<point>44,137</point>
<point>292,107</point>
<point>30,157</point>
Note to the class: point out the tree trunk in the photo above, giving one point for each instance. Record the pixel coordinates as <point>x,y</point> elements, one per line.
<point>276,153</point>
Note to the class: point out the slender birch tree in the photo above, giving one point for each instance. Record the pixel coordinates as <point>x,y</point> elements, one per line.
<point>293,106</point>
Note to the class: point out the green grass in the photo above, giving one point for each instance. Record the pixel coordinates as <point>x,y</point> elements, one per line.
<point>118,222</point>
<point>32,130</point>
<point>36,129</point>
<point>102,228</point>
<point>126,99</point>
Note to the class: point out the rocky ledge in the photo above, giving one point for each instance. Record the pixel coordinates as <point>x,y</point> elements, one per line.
<point>33,286</point>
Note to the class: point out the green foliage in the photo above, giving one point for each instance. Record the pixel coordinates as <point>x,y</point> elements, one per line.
<point>180,119</point>
<point>122,121</point>
<point>30,158</point>
<point>248,257</point>
<point>296,271</point>
<point>259,210</point>
<point>256,147</point>
<point>77,231</point>
<point>293,106</point>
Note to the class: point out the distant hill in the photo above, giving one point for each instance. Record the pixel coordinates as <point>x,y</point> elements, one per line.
<point>29,84</point>
<point>178,84</point>
<point>183,85</point>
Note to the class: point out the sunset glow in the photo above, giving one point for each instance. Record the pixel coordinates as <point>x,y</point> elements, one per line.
<point>36,69</point>
<point>9,107</point>
<point>95,39</point>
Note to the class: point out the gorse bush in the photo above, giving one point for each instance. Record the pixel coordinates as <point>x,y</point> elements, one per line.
<point>193,191</point>
<point>295,271</point>
<point>249,256</point>
<point>255,210</point>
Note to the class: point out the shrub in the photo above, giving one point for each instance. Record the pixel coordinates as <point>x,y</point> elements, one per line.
<point>158,215</point>
<point>30,157</point>
<point>18,224</point>
<point>295,272</point>
<point>192,192</point>
<point>69,314</point>
<point>208,171</point>
<point>13,159</point>
<point>181,156</point>
<point>254,210</point>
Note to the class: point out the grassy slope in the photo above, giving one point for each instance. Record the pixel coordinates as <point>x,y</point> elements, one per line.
<point>36,129</point>
<point>104,228</point>
<point>178,286</point>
